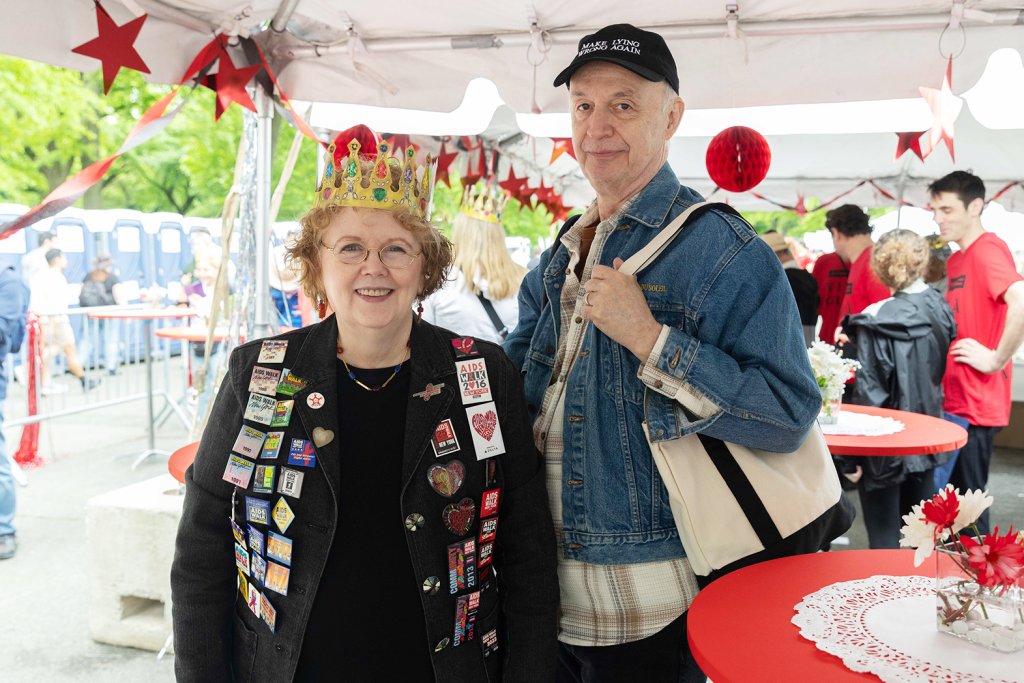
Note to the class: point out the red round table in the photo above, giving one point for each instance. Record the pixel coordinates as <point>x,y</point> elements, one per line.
<point>921,434</point>
<point>190,333</point>
<point>739,627</point>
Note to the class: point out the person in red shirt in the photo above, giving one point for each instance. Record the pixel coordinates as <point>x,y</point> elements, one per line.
<point>986,294</point>
<point>831,272</point>
<point>851,234</point>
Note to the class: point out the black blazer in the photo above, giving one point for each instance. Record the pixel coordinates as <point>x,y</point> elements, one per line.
<point>216,636</point>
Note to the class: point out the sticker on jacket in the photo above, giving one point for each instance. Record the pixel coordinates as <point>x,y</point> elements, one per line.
<point>474,385</point>
<point>483,424</point>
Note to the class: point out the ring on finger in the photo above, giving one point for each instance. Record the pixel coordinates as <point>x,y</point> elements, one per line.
<point>586,299</point>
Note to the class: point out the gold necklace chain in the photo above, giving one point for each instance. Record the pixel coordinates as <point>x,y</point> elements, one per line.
<point>379,387</point>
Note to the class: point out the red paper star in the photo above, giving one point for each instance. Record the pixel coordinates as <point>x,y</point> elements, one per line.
<point>114,46</point>
<point>444,162</point>
<point>945,108</point>
<point>474,171</point>
<point>562,146</point>
<point>399,141</point>
<point>231,82</point>
<point>512,184</point>
<point>909,141</point>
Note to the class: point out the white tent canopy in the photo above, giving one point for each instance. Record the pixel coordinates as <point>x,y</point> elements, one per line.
<point>733,65</point>
<point>422,55</point>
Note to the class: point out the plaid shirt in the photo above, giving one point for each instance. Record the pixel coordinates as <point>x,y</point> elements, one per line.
<point>602,604</point>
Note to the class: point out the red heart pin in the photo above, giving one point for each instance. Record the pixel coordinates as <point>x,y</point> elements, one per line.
<point>458,517</point>
<point>484,424</point>
<point>447,479</point>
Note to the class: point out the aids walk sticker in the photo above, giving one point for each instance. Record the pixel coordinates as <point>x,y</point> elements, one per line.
<point>272,446</point>
<point>277,578</point>
<point>483,424</point>
<point>272,351</point>
<point>249,442</point>
<point>301,453</point>
<point>279,548</point>
<point>260,409</point>
<point>257,510</point>
<point>282,413</point>
<point>290,482</point>
<point>238,471</point>
<point>283,515</point>
<point>264,381</point>
<point>444,440</point>
<point>474,385</point>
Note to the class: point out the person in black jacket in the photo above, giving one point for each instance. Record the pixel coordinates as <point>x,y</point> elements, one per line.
<point>341,518</point>
<point>902,343</point>
<point>803,284</point>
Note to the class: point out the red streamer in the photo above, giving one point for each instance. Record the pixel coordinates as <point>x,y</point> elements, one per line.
<point>28,450</point>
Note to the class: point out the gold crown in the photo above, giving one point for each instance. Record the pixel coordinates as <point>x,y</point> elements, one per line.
<point>485,204</point>
<point>344,184</point>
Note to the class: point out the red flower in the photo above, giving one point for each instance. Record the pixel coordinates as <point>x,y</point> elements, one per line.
<point>999,560</point>
<point>942,509</point>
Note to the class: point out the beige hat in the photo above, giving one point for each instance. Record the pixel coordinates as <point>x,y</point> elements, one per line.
<point>775,240</point>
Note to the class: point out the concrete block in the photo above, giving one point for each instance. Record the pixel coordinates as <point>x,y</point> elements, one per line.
<point>130,538</point>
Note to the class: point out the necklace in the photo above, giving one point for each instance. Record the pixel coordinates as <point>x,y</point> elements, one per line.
<point>362,385</point>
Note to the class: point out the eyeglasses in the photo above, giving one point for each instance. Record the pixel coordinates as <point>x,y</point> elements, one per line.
<point>391,255</point>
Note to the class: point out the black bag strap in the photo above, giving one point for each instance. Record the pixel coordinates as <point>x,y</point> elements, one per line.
<point>493,315</point>
<point>742,490</point>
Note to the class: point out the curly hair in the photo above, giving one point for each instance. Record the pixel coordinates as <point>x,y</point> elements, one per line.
<point>900,258</point>
<point>304,254</point>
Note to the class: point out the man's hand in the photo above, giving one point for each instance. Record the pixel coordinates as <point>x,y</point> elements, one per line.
<point>977,355</point>
<point>616,306</point>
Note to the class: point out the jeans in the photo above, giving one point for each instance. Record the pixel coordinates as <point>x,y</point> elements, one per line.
<point>7,483</point>
<point>884,508</point>
<point>971,471</point>
<point>942,472</point>
<point>660,658</point>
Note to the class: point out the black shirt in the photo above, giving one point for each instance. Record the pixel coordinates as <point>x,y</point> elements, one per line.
<point>367,620</point>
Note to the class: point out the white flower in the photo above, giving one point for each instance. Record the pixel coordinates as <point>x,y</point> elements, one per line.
<point>831,370</point>
<point>972,504</point>
<point>919,533</point>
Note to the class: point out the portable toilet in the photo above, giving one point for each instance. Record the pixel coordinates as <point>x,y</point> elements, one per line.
<point>14,247</point>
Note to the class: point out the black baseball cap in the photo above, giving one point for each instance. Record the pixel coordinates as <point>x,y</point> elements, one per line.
<point>642,52</point>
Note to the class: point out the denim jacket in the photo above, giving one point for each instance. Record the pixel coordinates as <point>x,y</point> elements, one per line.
<point>731,342</point>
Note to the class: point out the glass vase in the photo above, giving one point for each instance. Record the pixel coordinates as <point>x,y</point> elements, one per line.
<point>830,408</point>
<point>991,616</point>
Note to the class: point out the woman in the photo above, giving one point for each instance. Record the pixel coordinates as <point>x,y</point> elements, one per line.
<point>481,298</point>
<point>902,343</point>
<point>373,456</point>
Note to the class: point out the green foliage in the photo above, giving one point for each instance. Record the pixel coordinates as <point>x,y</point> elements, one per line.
<point>61,122</point>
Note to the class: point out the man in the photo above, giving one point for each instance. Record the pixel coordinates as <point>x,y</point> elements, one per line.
<point>986,294</point>
<point>830,272</point>
<point>12,331</point>
<point>48,298</point>
<point>34,262</point>
<point>851,235</point>
<point>803,284</point>
<point>708,340</point>
<point>102,287</point>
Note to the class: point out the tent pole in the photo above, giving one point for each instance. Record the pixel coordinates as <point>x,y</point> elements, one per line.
<point>264,159</point>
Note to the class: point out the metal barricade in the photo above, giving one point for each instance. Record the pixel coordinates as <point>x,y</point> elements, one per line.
<point>112,353</point>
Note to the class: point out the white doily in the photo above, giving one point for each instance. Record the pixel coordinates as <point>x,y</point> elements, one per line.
<point>859,424</point>
<point>885,625</point>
